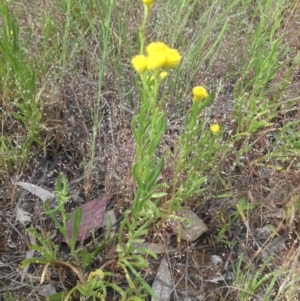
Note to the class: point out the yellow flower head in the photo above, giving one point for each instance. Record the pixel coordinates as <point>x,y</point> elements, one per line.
<point>199,93</point>
<point>155,47</point>
<point>163,74</point>
<point>156,61</point>
<point>159,56</point>
<point>139,63</point>
<point>173,58</point>
<point>163,56</point>
<point>215,128</point>
<point>148,2</point>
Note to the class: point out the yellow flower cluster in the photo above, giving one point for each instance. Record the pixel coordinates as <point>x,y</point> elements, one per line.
<point>148,2</point>
<point>199,93</point>
<point>159,56</point>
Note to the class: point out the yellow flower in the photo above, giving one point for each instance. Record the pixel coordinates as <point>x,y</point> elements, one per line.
<point>148,2</point>
<point>139,63</point>
<point>155,47</point>
<point>162,55</point>
<point>163,74</point>
<point>215,128</point>
<point>159,56</point>
<point>156,61</point>
<point>199,93</point>
<point>173,58</point>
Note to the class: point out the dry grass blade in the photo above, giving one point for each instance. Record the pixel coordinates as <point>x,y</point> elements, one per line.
<point>40,192</point>
<point>162,285</point>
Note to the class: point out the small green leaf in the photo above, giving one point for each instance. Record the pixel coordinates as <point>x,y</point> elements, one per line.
<point>155,173</point>
<point>146,286</point>
<point>154,144</point>
<point>258,124</point>
<point>57,296</point>
<point>86,258</point>
<point>132,298</point>
<point>158,195</point>
<point>145,251</point>
<point>136,174</point>
<point>28,261</point>
<point>76,225</point>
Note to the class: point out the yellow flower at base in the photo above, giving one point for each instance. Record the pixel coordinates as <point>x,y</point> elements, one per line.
<point>199,93</point>
<point>148,2</point>
<point>139,63</point>
<point>163,74</point>
<point>215,128</point>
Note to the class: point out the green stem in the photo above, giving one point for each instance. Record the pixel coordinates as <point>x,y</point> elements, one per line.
<point>142,29</point>
<point>183,154</point>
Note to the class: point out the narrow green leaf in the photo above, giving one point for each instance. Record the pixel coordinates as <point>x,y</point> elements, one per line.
<point>155,173</point>
<point>146,286</point>
<point>57,296</point>
<point>28,261</point>
<point>144,251</point>
<point>154,144</point>
<point>158,195</point>
<point>137,173</point>
<point>76,225</point>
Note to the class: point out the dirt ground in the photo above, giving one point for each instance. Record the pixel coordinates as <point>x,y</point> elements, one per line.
<point>202,268</point>
<point>269,190</point>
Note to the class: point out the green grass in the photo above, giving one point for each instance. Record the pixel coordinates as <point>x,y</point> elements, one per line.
<point>69,93</point>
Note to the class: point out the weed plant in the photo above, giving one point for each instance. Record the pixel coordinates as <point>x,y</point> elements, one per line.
<point>236,49</point>
<point>148,128</point>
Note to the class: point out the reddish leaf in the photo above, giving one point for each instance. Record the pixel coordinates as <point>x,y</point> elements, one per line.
<point>92,218</point>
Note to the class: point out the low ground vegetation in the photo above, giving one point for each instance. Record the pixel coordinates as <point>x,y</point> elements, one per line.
<point>118,115</point>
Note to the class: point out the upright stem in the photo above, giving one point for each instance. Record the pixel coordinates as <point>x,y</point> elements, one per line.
<point>142,29</point>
